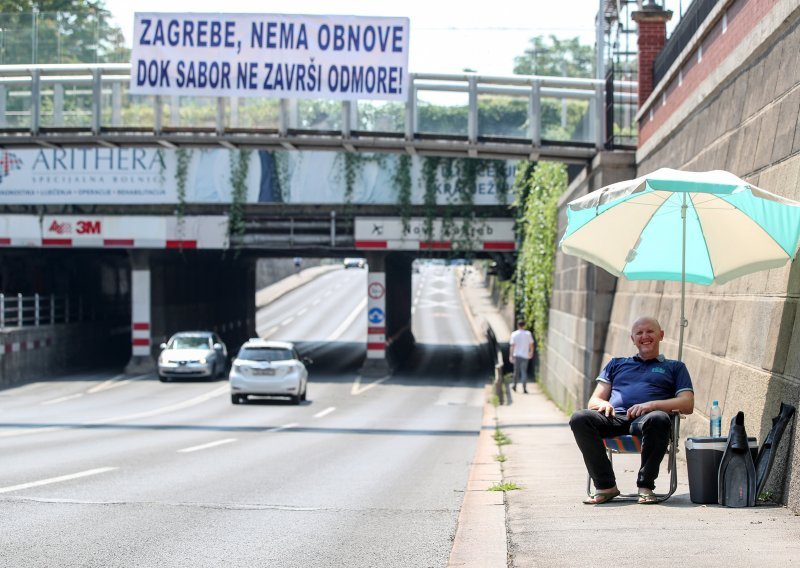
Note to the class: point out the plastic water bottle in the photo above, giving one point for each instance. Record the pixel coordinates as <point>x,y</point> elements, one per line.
<point>716,420</point>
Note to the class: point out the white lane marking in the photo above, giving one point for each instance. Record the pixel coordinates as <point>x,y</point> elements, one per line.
<point>208,445</point>
<point>315,302</point>
<point>284,427</point>
<point>177,406</point>
<point>115,382</point>
<point>348,321</point>
<point>358,389</point>
<point>164,409</point>
<point>56,479</point>
<point>61,399</point>
<point>287,321</point>
<point>325,412</point>
<point>301,312</point>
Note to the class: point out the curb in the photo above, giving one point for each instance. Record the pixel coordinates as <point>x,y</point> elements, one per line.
<point>480,539</point>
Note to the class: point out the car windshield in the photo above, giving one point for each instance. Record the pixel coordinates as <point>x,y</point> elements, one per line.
<point>189,342</point>
<point>265,354</point>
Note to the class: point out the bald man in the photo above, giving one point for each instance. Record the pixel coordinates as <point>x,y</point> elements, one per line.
<point>634,395</point>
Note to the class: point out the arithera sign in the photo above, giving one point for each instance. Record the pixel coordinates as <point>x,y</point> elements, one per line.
<point>270,55</point>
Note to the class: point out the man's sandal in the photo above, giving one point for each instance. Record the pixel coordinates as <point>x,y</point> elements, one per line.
<point>647,499</point>
<point>601,497</point>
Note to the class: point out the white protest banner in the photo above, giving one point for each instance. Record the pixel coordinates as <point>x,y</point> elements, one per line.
<point>270,55</point>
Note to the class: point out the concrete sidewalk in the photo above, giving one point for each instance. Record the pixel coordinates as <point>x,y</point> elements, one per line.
<point>545,524</point>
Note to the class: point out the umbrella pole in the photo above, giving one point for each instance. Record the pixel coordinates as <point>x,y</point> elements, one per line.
<point>684,322</point>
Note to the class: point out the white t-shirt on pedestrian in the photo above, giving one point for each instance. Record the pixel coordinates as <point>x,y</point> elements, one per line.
<point>521,341</point>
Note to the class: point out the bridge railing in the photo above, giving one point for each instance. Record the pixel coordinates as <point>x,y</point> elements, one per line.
<point>515,116</point>
<point>34,310</point>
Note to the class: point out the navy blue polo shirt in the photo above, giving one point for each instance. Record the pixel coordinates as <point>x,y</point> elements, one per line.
<point>634,381</point>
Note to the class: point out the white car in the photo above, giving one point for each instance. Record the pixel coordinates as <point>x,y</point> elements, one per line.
<point>268,368</point>
<point>192,354</point>
<point>354,262</point>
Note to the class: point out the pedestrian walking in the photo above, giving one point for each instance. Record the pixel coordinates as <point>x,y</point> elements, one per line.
<point>520,352</point>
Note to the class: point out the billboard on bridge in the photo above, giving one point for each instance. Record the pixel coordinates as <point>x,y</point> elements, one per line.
<point>128,176</point>
<point>270,55</point>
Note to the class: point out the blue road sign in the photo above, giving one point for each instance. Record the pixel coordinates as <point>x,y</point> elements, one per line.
<point>375,315</point>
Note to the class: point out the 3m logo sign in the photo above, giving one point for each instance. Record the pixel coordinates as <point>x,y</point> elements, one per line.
<point>81,228</point>
<point>89,228</point>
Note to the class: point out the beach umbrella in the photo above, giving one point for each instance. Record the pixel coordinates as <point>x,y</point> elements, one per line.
<point>699,227</point>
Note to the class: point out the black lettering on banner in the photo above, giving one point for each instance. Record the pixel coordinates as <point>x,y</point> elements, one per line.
<point>278,35</point>
<point>202,74</point>
<point>154,73</point>
<point>365,79</point>
<point>143,38</point>
<point>247,75</point>
<point>368,38</point>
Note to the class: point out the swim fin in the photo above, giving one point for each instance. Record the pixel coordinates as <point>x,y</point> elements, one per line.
<point>737,472</point>
<point>766,455</point>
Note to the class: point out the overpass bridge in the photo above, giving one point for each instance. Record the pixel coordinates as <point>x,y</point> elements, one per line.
<point>89,105</point>
<point>159,251</point>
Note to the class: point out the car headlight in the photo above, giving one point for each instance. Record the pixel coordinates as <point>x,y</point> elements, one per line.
<point>203,360</point>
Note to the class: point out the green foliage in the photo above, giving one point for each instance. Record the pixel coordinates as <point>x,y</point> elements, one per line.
<point>239,163</point>
<point>353,164</point>
<point>500,438</point>
<point>505,486</point>
<point>538,193</point>
<point>556,57</point>
<point>184,156</point>
<point>430,167</point>
<point>59,31</point>
<point>402,181</point>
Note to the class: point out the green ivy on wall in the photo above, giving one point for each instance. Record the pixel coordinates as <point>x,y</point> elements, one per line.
<point>402,182</point>
<point>538,191</point>
<point>239,163</point>
<point>184,156</point>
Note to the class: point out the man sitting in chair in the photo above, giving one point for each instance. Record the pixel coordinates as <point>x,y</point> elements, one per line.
<point>634,395</point>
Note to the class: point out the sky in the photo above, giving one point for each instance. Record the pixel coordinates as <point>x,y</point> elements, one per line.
<point>447,36</point>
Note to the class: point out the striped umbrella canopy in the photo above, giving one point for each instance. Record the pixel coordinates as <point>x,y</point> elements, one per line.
<point>700,227</point>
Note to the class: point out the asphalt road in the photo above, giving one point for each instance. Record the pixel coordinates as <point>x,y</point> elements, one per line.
<point>105,470</point>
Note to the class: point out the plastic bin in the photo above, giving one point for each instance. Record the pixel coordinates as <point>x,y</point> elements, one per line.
<point>703,456</point>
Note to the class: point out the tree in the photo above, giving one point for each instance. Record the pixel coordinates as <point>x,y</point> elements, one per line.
<point>59,31</point>
<point>556,58</point>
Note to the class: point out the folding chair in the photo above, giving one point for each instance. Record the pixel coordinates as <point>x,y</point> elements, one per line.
<point>630,444</point>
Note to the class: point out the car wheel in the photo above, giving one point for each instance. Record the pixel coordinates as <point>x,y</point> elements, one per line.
<point>236,399</point>
<point>303,396</point>
<point>295,399</point>
<point>163,379</point>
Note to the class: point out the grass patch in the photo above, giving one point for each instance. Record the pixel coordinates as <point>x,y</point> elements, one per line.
<point>494,400</point>
<point>505,486</point>
<point>500,438</point>
<point>500,457</point>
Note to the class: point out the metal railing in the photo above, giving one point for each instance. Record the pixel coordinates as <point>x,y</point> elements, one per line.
<point>445,114</point>
<point>18,310</point>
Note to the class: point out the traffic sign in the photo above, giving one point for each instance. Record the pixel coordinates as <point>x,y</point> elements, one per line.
<point>376,290</point>
<point>375,315</point>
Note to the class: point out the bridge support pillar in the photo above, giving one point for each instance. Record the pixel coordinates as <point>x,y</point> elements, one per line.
<point>141,360</point>
<point>389,337</point>
<point>376,364</point>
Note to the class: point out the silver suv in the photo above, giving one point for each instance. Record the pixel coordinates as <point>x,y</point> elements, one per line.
<point>192,354</point>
